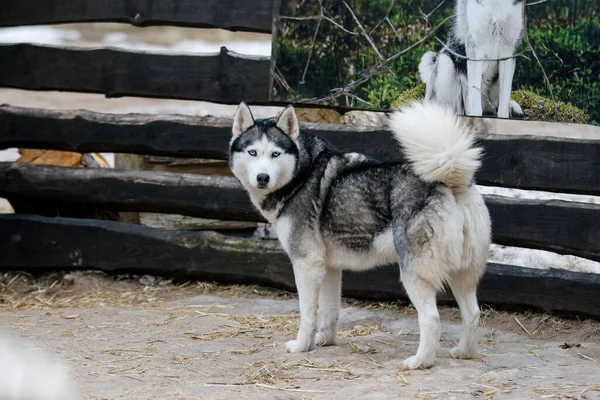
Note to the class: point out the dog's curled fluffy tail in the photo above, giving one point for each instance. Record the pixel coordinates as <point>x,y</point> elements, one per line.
<point>438,145</point>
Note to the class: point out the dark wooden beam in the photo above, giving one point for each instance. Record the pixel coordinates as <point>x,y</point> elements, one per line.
<point>35,243</point>
<point>128,190</point>
<point>524,162</point>
<point>226,77</point>
<point>243,15</point>
<point>563,227</point>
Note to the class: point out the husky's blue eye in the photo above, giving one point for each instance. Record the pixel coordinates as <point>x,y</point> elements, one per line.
<point>275,154</point>
<point>252,153</point>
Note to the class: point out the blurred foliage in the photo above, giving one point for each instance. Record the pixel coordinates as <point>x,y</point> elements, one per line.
<point>409,95</point>
<point>315,63</point>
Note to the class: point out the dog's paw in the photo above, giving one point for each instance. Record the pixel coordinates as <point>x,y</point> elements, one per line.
<point>462,353</point>
<point>415,362</point>
<point>324,338</point>
<point>294,346</point>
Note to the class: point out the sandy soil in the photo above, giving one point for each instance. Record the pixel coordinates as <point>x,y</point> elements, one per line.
<point>145,337</point>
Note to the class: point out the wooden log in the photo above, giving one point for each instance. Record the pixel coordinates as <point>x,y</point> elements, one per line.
<point>559,226</point>
<point>553,225</point>
<point>225,77</point>
<point>129,190</point>
<point>176,221</point>
<point>523,161</point>
<point>200,166</point>
<point>34,243</point>
<point>243,15</point>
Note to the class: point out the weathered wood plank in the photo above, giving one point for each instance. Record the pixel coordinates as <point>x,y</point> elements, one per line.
<point>243,15</point>
<point>559,226</point>
<point>31,242</point>
<point>225,77</point>
<point>128,190</point>
<point>525,162</point>
<point>552,225</point>
<point>175,221</point>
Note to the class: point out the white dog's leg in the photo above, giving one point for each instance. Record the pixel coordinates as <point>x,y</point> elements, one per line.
<point>469,310</point>
<point>423,297</point>
<point>329,307</point>
<point>309,277</point>
<point>474,76</point>
<point>506,73</point>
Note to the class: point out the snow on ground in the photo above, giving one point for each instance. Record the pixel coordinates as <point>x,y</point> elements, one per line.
<point>194,41</point>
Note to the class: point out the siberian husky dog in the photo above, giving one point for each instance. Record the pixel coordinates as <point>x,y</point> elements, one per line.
<point>335,211</point>
<point>459,75</point>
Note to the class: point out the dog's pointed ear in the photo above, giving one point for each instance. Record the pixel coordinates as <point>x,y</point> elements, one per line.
<point>243,120</point>
<point>288,123</point>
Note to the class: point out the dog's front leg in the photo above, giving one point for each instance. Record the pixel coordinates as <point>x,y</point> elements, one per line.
<point>309,277</point>
<point>474,77</point>
<point>505,78</point>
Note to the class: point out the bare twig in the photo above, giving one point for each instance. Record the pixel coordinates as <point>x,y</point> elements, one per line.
<point>521,325</point>
<point>320,17</point>
<point>364,32</point>
<point>312,49</point>
<point>449,50</point>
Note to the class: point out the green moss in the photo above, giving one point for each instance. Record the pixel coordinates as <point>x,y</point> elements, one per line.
<point>535,107</point>
<point>409,95</point>
<point>540,108</point>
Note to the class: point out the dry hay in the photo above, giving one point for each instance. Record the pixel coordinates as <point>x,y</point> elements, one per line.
<point>258,326</point>
<point>364,329</point>
<point>88,289</point>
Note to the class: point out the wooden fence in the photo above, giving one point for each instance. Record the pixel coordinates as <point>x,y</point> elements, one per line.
<point>44,240</point>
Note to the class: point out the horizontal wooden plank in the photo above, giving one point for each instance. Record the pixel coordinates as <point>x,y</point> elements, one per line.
<point>524,162</point>
<point>129,190</point>
<point>559,226</point>
<point>31,242</point>
<point>243,15</point>
<point>225,77</point>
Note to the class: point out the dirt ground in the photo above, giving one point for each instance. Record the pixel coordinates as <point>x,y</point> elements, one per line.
<point>130,337</point>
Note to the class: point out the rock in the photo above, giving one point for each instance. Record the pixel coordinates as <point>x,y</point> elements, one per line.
<point>147,280</point>
<point>320,115</point>
<point>68,280</point>
<point>366,118</point>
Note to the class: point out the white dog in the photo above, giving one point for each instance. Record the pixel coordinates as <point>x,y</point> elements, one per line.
<point>474,72</point>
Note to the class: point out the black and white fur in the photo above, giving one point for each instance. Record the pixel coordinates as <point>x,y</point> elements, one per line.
<point>336,211</point>
<point>481,30</point>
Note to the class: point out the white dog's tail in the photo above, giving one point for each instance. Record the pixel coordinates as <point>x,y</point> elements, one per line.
<point>438,145</point>
<point>426,65</point>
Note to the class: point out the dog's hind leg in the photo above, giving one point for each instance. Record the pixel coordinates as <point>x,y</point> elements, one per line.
<point>464,287</point>
<point>422,294</point>
<point>309,276</point>
<point>329,307</point>
<point>506,73</point>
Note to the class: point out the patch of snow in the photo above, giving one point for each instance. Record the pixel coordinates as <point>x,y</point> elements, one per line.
<point>540,259</point>
<point>114,37</point>
<point>255,48</point>
<point>9,155</point>
<point>537,195</point>
<point>38,34</point>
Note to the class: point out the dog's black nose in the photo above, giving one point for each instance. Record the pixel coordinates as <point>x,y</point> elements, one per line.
<point>262,179</point>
